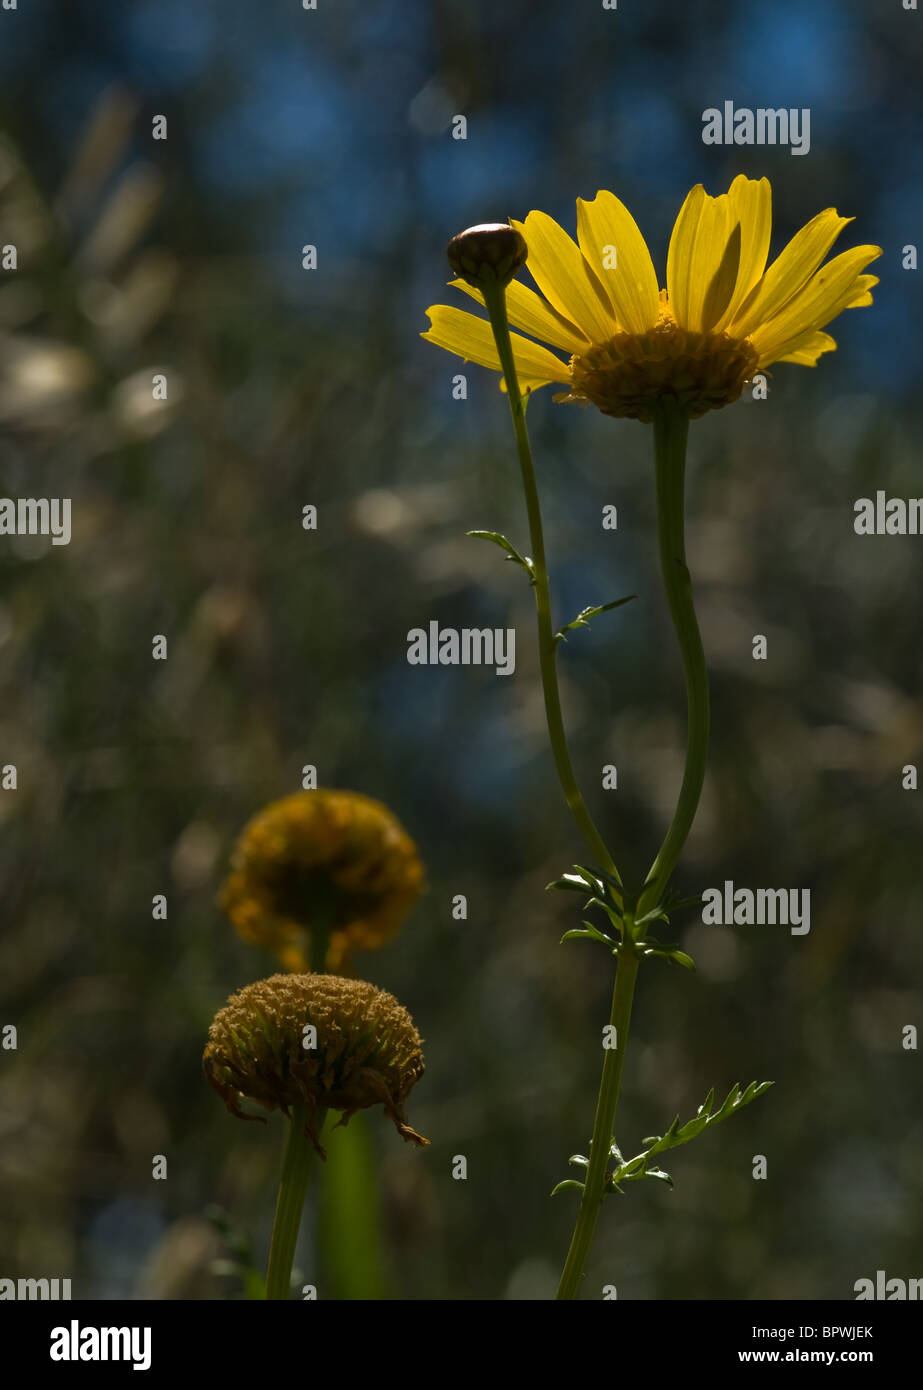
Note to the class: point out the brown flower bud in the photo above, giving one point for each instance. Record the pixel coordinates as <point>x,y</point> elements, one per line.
<point>490,253</point>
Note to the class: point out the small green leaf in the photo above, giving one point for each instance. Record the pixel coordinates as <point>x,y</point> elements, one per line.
<point>615,917</point>
<point>673,903</point>
<point>591,934</point>
<point>568,1185</point>
<point>603,876</point>
<point>570,883</point>
<point>650,946</point>
<point>580,881</point>
<point>660,1175</point>
<point>579,1161</point>
<point>583,617</point>
<point>511,552</point>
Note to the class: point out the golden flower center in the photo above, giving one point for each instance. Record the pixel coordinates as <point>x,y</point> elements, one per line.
<point>630,373</point>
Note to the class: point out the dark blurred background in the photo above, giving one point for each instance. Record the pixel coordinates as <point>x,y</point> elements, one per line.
<point>289,387</point>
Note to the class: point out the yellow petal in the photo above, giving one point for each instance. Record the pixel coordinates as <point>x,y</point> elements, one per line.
<point>606,226</point>
<point>472,339</point>
<point>703,260</point>
<point>863,292</point>
<point>804,350</point>
<point>564,278</point>
<point>527,311</point>
<point>828,293</point>
<point>789,272</point>
<point>751,205</point>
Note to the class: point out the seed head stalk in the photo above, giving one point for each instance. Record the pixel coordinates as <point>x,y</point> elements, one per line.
<point>293,1185</point>
<point>299,1155</point>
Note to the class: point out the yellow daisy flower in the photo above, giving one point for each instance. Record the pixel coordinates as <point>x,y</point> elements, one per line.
<point>329,861</point>
<point>722,317</point>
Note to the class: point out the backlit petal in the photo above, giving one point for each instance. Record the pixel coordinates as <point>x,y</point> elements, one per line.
<point>789,272</point>
<point>528,311</point>
<point>751,205</point>
<point>833,289</point>
<point>703,260</point>
<point>605,226</point>
<point>472,339</point>
<point>863,292</point>
<point>558,268</point>
<point>804,350</point>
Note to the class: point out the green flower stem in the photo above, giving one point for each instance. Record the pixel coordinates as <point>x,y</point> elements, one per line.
<point>299,1152</point>
<point>670,430</point>
<point>604,1123</point>
<point>320,943</point>
<point>495,300</point>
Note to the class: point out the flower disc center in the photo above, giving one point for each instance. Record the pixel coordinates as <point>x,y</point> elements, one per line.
<point>630,373</point>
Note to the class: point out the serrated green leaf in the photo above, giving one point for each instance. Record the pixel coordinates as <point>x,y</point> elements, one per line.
<point>637,1168</point>
<point>730,1102</point>
<point>692,1128</point>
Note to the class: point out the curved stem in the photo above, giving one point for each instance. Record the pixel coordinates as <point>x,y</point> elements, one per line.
<point>495,300</point>
<point>293,1185</point>
<point>604,1123</point>
<point>670,430</point>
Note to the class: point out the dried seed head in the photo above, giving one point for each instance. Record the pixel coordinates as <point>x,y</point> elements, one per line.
<point>331,859</point>
<point>364,1049</point>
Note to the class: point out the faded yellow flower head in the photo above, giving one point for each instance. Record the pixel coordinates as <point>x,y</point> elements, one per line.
<point>364,1049</point>
<point>722,317</point>
<point>333,861</point>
